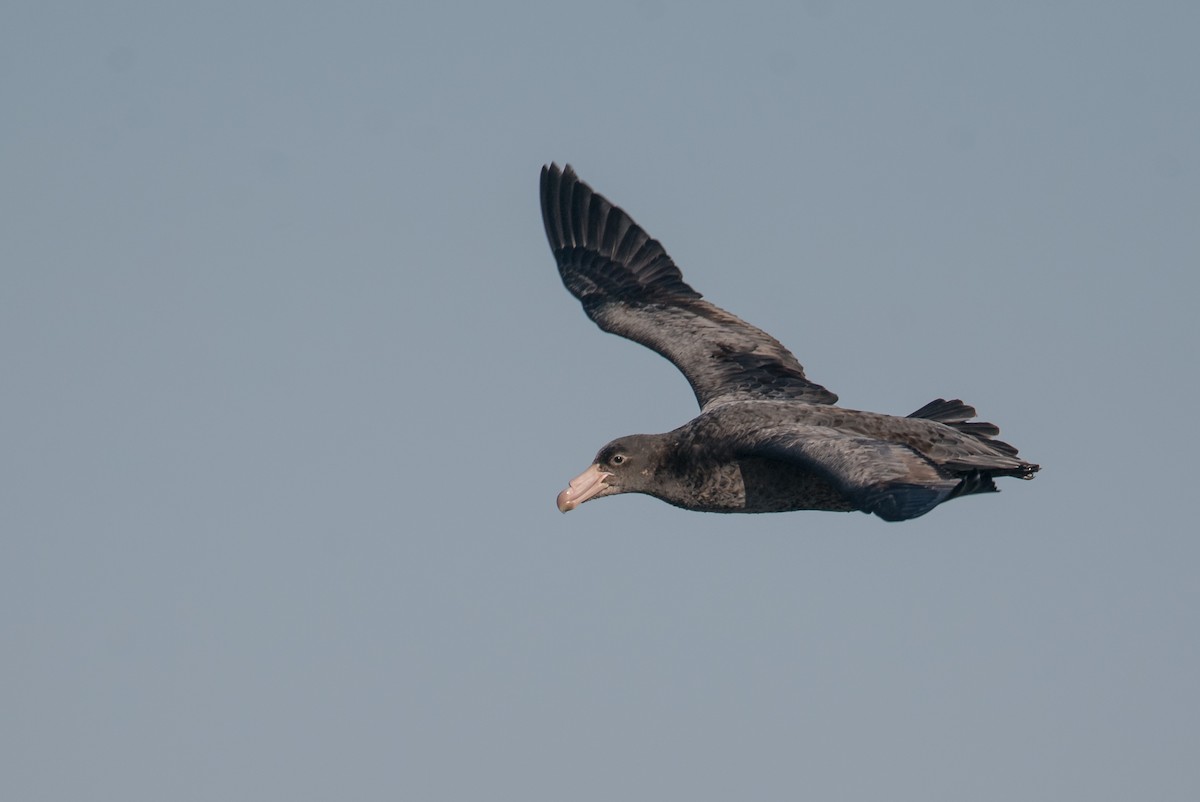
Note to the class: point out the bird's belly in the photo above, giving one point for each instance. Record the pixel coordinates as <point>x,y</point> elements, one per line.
<point>764,485</point>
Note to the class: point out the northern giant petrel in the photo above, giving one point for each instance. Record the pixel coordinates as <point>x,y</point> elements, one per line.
<point>767,439</point>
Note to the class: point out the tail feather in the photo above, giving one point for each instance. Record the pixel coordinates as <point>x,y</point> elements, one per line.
<point>943,411</point>
<point>975,481</point>
<point>976,473</point>
<point>957,415</point>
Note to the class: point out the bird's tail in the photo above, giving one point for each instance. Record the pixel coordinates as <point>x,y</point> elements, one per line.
<point>957,415</point>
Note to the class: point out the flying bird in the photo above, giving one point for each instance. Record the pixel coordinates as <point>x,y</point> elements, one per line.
<point>767,439</point>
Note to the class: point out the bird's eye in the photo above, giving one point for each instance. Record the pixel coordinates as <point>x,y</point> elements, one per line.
<point>617,459</point>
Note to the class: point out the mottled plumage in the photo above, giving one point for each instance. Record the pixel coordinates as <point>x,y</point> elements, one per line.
<point>767,438</point>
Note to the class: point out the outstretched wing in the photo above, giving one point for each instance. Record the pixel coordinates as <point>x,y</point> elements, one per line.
<point>889,479</point>
<point>629,286</point>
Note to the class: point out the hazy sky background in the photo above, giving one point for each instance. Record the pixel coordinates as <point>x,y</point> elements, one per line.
<point>290,384</point>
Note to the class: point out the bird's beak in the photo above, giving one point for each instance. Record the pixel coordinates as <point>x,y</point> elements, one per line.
<point>584,486</point>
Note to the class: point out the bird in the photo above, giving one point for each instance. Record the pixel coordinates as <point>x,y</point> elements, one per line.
<point>767,438</point>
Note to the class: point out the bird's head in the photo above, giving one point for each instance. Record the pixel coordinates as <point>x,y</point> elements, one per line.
<point>626,465</point>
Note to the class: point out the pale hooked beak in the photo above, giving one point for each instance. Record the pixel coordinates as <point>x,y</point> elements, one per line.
<point>584,486</point>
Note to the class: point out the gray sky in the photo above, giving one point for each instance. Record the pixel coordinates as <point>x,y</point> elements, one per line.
<point>290,384</point>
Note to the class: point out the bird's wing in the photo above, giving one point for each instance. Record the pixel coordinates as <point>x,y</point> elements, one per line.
<point>889,479</point>
<point>630,286</point>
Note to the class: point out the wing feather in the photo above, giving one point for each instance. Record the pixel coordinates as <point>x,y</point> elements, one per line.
<point>889,479</point>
